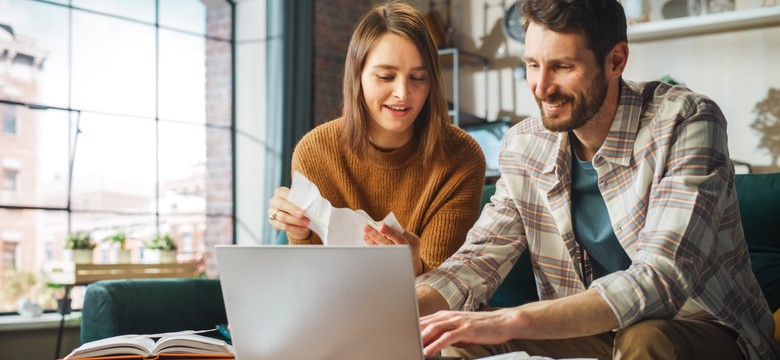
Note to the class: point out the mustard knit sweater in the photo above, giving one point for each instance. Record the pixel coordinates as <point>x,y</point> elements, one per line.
<point>439,203</point>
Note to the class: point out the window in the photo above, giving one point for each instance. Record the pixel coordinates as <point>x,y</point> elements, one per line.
<point>9,119</point>
<point>187,243</point>
<point>9,255</point>
<point>10,179</point>
<point>126,105</point>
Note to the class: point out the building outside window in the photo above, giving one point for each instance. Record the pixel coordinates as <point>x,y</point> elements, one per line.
<point>10,180</point>
<point>123,105</point>
<point>9,120</point>
<point>9,255</point>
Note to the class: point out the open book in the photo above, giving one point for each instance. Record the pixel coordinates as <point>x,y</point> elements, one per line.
<point>185,344</point>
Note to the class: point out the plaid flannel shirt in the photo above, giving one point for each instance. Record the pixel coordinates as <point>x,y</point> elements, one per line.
<point>668,183</point>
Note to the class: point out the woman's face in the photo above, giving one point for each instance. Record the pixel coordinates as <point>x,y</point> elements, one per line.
<point>395,86</point>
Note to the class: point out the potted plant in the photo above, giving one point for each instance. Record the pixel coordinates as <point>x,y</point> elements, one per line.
<point>161,249</point>
<point>118,242</point>
<point>79,247</point>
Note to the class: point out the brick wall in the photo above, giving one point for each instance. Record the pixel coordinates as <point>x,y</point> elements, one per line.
<point>334,21</point>
<point>219,148</point>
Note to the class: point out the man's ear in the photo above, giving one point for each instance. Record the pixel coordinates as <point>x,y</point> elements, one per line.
<point>617,59</point>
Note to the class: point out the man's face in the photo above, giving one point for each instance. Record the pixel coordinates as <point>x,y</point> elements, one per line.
<point>567,82</point>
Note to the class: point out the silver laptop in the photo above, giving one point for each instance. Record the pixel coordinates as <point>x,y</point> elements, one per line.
<point>320,302</point>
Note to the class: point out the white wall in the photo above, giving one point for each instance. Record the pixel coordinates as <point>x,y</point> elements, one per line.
<point>735,69</point>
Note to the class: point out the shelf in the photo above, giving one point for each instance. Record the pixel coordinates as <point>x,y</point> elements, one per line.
<point>454,58</point>
<point>705,24</point>
<point>447,56</point>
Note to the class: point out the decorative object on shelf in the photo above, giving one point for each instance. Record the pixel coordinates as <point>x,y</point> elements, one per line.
<point>120,254</point>
<point>674,9</point>
<point>79,248</point>
<point>729,21</point>
<point>449,30</point>
<point>716,6</point>
<point>669,80</point>
<point>434,26</point>
<point>767,125</point>
<point>161,249</point>
<point>747,4</point>
<point>29,308</point>
<point>636,11</point>
<point>512,24</point>
<point>701,7</point>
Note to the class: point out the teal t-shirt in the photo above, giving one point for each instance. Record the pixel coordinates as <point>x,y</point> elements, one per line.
<point>592,226</point>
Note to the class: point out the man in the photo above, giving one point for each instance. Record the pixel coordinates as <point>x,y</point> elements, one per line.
<point>624,195</point>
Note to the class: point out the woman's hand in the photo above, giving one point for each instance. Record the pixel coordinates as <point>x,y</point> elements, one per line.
<point>388,236</point>
<point>286,216</point>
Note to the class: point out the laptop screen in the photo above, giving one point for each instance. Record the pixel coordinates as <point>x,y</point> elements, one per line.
<point>320,302</point>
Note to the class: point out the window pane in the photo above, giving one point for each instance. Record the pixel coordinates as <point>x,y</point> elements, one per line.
<point>114,165</point>
<point>10,179</point>
<point>28,232</point>
<point>182,77</point>
<point>113,65</point>
<point>182,168</point>
<point>189,232</point>
<point>138,228</point>
<point>34,162</point>
<point>142,10</point>
<point>34,55</point>
<point>187,15</point>
<point>8,256</point>
<point>8,112</point>
<point>53,131</point>
<point>196,236</point>
<point>115,78</point>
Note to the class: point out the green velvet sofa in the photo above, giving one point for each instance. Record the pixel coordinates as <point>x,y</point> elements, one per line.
<point>151,306</point>
<point>759,204</point>
<point>160,305</point>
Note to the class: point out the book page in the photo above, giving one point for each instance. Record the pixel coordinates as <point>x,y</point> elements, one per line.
<point>117,345</point>
<point>191,344</point>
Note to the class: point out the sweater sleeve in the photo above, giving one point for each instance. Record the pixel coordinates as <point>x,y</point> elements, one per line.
<point>450,219</point>
<point>301,160</point>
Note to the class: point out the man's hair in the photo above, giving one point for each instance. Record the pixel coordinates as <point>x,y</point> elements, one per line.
<point>602,22</point>
<point>405,21</point>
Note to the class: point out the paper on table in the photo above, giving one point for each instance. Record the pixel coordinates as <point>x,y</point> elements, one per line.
<point>335,226</point>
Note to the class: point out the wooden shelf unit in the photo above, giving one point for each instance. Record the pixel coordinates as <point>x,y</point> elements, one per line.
<point>454,58</point>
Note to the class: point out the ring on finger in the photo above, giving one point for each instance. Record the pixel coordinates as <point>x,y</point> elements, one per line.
<point>272,217</point>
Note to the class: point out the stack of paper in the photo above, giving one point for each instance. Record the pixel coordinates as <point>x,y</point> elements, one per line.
<point>335,226</point>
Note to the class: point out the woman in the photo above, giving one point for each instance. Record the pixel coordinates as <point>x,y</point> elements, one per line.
<point>394,148</point>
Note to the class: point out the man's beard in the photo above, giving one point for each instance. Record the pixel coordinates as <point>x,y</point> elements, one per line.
<point>583,107</point>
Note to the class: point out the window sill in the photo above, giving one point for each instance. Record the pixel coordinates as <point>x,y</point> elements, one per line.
<point>45,321</point>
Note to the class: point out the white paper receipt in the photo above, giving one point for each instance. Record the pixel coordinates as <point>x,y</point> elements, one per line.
<point>335,226</point>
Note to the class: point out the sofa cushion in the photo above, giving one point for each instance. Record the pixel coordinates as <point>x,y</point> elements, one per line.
<point>759,203</point>
<point>519,286</point>
<point>759,207</point>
